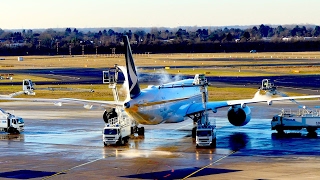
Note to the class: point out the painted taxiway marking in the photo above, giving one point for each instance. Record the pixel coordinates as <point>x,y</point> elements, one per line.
<point>182,127</point>
<point>66,170</point>
<point>209,165</point>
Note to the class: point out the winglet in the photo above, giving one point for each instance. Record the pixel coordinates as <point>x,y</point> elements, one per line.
<point>134,88</point>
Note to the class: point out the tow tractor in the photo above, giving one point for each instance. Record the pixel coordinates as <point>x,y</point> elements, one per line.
<point>205,132</point>
<point>118,125</point>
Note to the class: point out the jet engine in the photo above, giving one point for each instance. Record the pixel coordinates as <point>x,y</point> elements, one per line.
<point>239,115</point>
<point>109,114</point>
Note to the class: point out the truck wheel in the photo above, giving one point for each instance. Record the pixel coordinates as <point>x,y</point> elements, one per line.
<point>311,130</point>
<point>120,141</point>
<point>194,132</point>
<point>214,143</point>
<point>126,140</point>
<point>279,130</point>
<point>11,130</point>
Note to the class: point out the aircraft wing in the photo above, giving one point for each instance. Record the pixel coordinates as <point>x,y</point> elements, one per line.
<point>198,107</point>
<point>86,103</point>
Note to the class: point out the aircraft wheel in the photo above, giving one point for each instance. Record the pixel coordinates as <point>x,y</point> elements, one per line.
<point>141,131</point>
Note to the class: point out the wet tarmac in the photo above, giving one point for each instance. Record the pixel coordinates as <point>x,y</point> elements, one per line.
<point>66,143</point>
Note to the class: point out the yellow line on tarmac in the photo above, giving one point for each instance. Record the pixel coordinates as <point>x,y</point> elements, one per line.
<point>208,165</point>
<point>66,170</point>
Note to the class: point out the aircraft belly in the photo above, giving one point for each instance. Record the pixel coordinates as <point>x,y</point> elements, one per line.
<point>170,112</point>
<point>179,110</point>
<point>146,117</point>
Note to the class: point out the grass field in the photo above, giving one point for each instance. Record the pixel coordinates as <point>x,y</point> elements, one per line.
<point>20,77</point>
<point>201,59</point>
<point>102,92</point>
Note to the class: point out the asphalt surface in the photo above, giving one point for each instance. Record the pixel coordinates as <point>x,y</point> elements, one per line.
<point>66,143</point>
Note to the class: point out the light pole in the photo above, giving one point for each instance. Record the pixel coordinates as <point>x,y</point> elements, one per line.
<point>39,44</point>
<point>57,48</point>
<point>70,49</point>
<point>82,50</point>
<point>113,51</point>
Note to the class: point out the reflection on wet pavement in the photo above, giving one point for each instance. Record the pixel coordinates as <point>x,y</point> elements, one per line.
<point>167,148</point>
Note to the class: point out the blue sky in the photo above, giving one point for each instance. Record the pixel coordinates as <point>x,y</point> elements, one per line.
<point>31,14</point>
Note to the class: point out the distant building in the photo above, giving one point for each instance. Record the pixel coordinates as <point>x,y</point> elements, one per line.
<point>286,39</point>
<point>309,38</point>
<point>267,39</point>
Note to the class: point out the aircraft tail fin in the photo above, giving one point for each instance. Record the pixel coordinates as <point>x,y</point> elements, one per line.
<point>132,77</point>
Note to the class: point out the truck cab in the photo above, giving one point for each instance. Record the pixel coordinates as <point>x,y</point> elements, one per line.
<point>206,135</point>
<point>10,123</point>
<point>111,135</point>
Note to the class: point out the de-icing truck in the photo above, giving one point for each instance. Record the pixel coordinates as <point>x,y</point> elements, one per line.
<point>10,123</point>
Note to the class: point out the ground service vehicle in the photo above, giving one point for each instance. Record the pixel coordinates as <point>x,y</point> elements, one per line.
<point>10,123</point>
<point>205,132</point>
<point>118,128</point>
<point>304,118</point>
<point>206,135</point>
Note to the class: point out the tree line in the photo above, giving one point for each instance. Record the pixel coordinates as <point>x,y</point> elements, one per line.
<point>160,40</point>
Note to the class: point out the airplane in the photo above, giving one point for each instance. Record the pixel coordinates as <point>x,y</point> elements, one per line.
<point>166,103</point>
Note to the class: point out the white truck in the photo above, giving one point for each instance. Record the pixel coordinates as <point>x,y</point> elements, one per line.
<point>118,128</point>
<point>118,125</point>
<point>10,123</point>
<point>206,135</point>
<point>205,132</point>
<point>303,118</point>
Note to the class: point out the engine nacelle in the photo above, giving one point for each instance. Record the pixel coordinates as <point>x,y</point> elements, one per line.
<point>109,114</point>
<point>239,116</point>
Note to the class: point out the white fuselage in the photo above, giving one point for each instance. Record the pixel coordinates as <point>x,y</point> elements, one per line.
<point>171,102</point>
